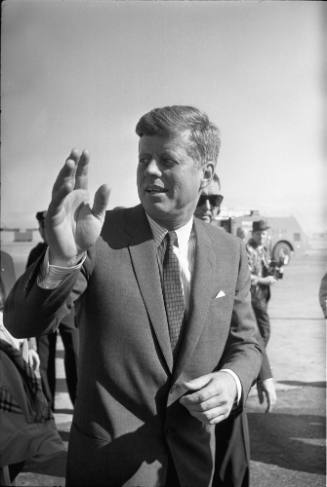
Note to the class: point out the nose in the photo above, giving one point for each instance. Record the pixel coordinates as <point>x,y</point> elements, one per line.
<point>153,167</point>
<point>207,205</point>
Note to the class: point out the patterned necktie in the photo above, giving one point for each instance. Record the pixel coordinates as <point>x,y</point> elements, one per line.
<point>172,290</point>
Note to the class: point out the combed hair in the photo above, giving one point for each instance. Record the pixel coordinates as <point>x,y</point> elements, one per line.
<point>175,119</point>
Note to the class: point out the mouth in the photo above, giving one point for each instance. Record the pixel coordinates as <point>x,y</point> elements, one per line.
<point>155,189</point>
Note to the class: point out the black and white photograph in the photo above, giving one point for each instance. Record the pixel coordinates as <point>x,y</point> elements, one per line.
<point>163,285</point>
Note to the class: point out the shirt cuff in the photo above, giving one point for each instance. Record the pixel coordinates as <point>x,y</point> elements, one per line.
<point>237,381</point>
<point>51,276</point>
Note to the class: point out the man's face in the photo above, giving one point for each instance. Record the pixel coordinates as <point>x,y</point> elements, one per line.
<point>260,236</point>
<point>209,203</point>
<point>168,179</point>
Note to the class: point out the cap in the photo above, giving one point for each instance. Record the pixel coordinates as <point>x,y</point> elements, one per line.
<point>259,226</point>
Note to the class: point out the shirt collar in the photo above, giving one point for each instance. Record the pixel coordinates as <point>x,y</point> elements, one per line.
<point>183,233</point>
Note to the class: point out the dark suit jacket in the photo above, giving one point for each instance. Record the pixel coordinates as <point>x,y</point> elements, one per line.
<point>36,252</point>
<point>8,275</point>
<point>127,413</point>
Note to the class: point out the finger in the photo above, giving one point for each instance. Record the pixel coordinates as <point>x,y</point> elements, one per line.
<point>58,198</point>
<point>271,402</point>
<point>213,391</point>
<point>198,383</point>
<point>219,419</point>
<point>212,417</point>
<point>215,413</point>
<point>214,402</point>
<point>81,177</point>
<point>260,396</point>
<point>269,405</point>
<point>193,402</point>
<point>66,176</point>
<point>100,203</point>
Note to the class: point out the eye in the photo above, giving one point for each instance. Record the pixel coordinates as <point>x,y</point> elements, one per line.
<point>168,161</point>
<point>144,160</point>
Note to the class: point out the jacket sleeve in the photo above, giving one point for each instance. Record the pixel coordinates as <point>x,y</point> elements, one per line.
<point>243,353</point>
<point>31,310</point>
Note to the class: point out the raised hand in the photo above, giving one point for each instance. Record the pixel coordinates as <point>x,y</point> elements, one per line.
<point>71,225</point>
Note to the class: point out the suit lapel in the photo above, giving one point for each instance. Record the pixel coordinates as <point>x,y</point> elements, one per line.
<point>144,259</point>
<point>202,283</point>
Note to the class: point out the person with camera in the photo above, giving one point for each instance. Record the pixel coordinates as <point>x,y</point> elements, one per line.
<point>261,278</point>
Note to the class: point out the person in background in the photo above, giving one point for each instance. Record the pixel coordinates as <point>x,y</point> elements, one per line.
<point>208,206</point>
<point>46,343</point>
<point>168,348</point>
<point>261,281</point>
<point>7,280</point>
<point>240,233</point>
<point>323,294</point>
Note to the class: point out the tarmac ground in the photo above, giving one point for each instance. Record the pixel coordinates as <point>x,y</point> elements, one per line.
<point>288,447</point>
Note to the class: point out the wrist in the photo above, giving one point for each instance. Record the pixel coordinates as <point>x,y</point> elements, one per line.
<point>57,261</point>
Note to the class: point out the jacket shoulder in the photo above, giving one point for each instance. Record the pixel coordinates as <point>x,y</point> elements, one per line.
<point>123,226</point>
<point>218,234</point>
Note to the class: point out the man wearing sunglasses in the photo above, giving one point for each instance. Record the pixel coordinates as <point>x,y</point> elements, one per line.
<point>208,207</point>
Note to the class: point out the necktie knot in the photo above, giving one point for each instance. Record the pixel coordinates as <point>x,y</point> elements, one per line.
<point>172,238</point>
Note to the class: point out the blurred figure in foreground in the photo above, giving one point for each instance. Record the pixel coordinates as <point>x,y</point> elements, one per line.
<point>29,439</point>
<point>46,343</point>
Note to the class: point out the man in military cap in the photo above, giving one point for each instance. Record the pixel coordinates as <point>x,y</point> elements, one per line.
<point>259,261</point>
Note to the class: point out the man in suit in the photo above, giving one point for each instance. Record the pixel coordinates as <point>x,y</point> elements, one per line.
<point>167,333</point>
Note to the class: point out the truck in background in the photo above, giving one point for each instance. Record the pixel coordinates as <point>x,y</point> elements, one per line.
<point>285,235</point>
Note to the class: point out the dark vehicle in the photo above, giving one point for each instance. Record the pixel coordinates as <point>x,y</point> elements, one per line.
<point>285,235</point>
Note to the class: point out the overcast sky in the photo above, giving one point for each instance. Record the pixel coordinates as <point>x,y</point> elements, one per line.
<point>81,73</point>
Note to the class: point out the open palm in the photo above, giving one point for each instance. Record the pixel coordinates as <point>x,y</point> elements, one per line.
<point>72,226</point>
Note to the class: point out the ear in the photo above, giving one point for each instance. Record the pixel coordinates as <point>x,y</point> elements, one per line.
<point>207,174</point>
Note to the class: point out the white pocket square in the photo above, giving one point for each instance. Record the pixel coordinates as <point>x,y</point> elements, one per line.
<point>221,294</point>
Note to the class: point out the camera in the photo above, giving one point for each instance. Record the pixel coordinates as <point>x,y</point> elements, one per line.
<point>276,269</point>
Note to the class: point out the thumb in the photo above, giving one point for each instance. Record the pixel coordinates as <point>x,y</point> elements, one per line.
<point>101,199</point>
<point>260,394</point>
<point>269,405</point>
<point>198,383</point>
